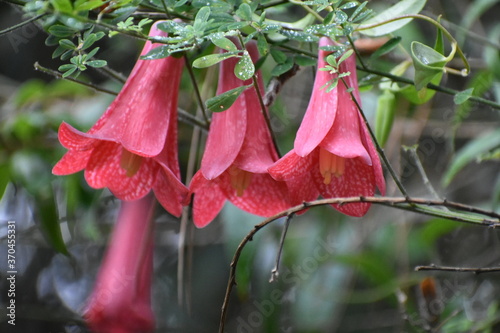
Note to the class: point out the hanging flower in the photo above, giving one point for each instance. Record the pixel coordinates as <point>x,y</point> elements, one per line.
<point>333,153</point>
<point>133,146</point>
<point>238,152</point>
<point>121,299</point>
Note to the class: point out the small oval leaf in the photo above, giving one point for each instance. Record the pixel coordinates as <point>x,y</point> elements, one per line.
<point>224,101</point>
<point>212,59</point>
<point>245,68</point>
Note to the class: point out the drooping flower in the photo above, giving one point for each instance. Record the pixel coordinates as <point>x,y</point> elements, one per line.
<point>238,152</point>
<point>133,146</point>
<point>121,299</point>
<point>333,152</point>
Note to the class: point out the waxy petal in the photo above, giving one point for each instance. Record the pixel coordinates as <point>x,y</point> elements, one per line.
<point>104,170</point>
<point>358,180</point>
<point>264,196</point>
<point>71,138</point>
<point>321,111</point>
<point>296,172</point>
<point>73,161</point>
<point>170,192</point>
<point>258,151</point>
<point>208,200</point>
<point>344,138</point>
<point>228,128</point>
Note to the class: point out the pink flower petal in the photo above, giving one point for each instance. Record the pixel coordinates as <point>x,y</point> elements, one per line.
<point>228,128</point>
<point>208,200</point>
<point>321,111</point>
<point>344,139</point>
<point>296,172</point>
<point>170,192</point>
<point>72,138</point>
<point>258,151</point>
<point>376,165</point>
<point>358,180</point>
<point>104,170</point>
<point>73,161</point>
<point>264,196</point>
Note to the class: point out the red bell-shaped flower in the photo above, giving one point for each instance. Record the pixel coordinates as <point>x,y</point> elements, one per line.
<point>238,152</point>
<point>133,146</point>
<point>121,299</point>
<point>333,153</point>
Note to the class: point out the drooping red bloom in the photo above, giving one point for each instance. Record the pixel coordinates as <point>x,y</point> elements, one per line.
<point>238,152</point>
<point>333,153</point>
<point>133,146</point>
<point>121,299</point>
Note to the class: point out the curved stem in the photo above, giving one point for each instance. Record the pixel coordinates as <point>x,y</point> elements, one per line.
<point>410,204</point>
<point>438,25</point>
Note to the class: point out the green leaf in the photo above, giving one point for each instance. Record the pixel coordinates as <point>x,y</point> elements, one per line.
<point>224,101</point>
<point>67,44</point>
<point>97,63</point>
<point>245,68</point>
<point>262,45</point>
<point>158,52</point>
<point>244,12</point>
<point>212,59</point>
<point>224,43</point>
<point>4,178</point>
<point>428,64</point>
<point>305,61</point>
<point>88,5</point>
<point>400,8</point>
<point>345,56</point>
<point>278,56</point>
<point>61,31</point>
<point>470,152</point>
<point>282,68</point>
<point>63,6</point>
<point>92,53</point>
<point>387,47</point>
<point>463,96</point>
<point>384,116</point>
<point>201,19</point>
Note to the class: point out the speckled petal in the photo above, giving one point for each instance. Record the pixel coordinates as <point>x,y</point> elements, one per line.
<point>170,192</point>
<point>228,128</point>
<point>208,199</point>
<point>103,170</point>
<point>264,196</point>
<point>73,161</point>
<point>321,111</point>
<point>344,137</point>
<point>258,151</point>
<point>296,172</point>
<point>358,180</point>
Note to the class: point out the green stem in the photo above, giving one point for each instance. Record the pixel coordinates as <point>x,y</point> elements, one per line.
<point>438,25</point>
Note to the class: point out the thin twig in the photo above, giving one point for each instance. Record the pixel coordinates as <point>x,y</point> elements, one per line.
<point>58,75</point>
<point>411,204</point>
<point>20,25</point>
<point>420,167</point>
<point>475,270</point>
<point>275,270</point>
<point>380,150</point>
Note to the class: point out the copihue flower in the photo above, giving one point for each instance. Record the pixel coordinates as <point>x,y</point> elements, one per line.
<point>133,146</point>
<point>121,299</point>
<point>333,153</point>
<point>238,152</point>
